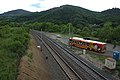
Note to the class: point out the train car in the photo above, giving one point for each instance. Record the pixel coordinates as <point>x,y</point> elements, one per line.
<point>88,44</point>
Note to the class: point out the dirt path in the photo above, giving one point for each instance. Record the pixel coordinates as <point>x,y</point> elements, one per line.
<point>33,66</point>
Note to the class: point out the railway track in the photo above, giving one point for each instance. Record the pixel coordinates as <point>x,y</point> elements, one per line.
<point>75,68</point>
<point>67,69</point>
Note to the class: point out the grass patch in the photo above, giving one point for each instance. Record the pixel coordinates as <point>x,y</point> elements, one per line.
<point>97,56</point>
<point>30,57</point>
<point>118,67</point>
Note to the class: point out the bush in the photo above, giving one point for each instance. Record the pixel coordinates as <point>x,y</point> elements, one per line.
<point>14,42</point>
<point>118,66</point>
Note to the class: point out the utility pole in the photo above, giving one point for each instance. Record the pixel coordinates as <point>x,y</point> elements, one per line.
<point>41,39</point>
<point>69,30</point>
<point>69,36</point>
<point>72,32</point>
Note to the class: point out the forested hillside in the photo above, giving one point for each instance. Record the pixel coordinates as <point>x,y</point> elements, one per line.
<point>12,15</point>
<point>18,12</point>
<point>14,40</point>
<point>78,16</point>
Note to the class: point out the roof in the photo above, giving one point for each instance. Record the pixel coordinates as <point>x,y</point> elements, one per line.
<point>81,39</point>
<point>111,59</point>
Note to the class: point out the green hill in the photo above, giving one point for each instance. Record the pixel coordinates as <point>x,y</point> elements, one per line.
<point>11,15</point>
<point>64,14</point>
<point>78,16</point>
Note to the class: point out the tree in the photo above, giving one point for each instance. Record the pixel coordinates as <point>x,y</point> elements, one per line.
<point>85,32</point>
<point>105,32</point>
<point>116,35</point>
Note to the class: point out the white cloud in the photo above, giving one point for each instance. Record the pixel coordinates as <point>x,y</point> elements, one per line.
<point>95,5</point>
<point>7,5</point>
<point>99,5</point>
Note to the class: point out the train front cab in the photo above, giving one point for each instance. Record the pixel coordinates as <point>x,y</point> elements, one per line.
<point>70,41</point>
<point>101,48</point>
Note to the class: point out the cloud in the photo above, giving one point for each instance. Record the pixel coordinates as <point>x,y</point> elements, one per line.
<point>7,5</point>
<point>40,5</point>
<point>37,5</point>
<point>95,5</point>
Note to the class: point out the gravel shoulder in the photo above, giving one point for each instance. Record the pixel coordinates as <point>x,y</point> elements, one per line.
<point>33,65</point>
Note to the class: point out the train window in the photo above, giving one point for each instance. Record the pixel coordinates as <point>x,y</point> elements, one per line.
<point>70,39</point>
<point>76,42</point>
<point>73,41</point>
<point>80,43</point>
<point>83,43</point>
<point>87,44</point>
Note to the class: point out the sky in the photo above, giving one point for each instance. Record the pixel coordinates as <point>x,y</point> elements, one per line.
<point>41,5</point>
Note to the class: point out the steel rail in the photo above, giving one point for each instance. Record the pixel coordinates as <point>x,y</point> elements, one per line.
<point>72,75</point>
<point>84,63</point>
<point>102,76</point>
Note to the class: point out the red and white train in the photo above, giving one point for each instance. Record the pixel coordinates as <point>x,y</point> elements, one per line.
<point>88,44</point>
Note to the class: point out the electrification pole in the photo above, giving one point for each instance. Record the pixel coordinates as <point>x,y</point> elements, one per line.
<point>69,30</point>
<point>69,36</point>
<point>41,39</point>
